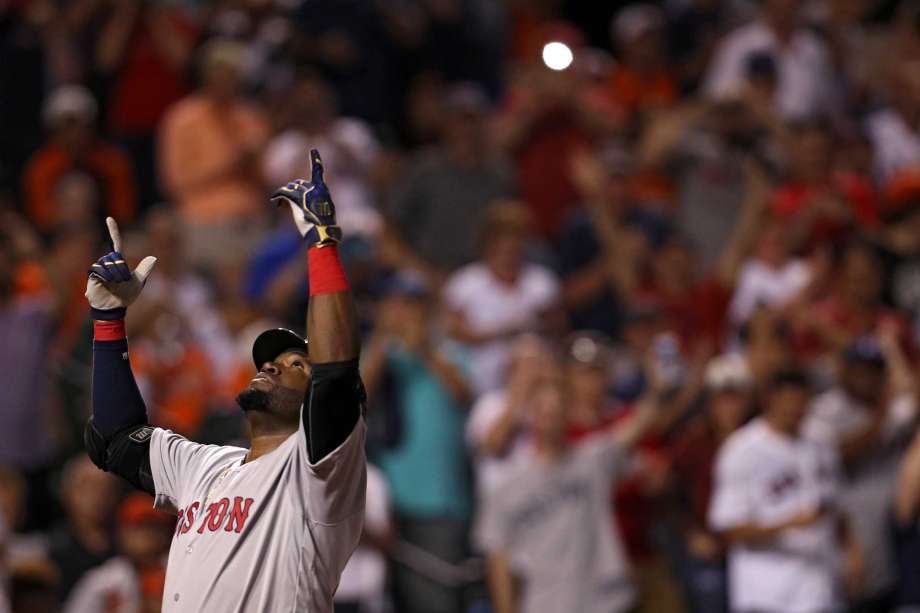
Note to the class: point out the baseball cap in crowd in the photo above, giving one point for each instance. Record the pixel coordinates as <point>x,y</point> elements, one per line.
<point>728,372</point>
<point>864,351</point>
<point>69,101</point>
<point>137,508</point>
<point>272,343</point>
<point>589,348</point>
<point>636,21</point>
<point>407,284</point>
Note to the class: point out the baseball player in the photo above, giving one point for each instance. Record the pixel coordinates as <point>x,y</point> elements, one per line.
<point>271,527</point>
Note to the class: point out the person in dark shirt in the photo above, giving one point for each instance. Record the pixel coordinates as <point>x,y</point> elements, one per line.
<point>84,540</point>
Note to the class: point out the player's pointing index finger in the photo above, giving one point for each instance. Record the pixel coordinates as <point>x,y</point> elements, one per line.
<point>316,165</point>
<point>114,234</point>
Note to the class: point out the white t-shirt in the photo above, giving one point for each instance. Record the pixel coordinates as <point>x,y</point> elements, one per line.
<point>870,482</point>
<point>269,535</point>
<point>490,469</point>
<point>115,581</point>
<point>489,305</point>
<point>364,577</point>
<point>764,478</point>
<point>759,284</point>
<point>895,145</point>
<point>805,80</point>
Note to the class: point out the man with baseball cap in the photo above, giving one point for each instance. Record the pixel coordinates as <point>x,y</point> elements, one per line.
<point>271,527</point>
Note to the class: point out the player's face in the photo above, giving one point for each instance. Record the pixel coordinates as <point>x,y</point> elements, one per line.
<point>289,370</point>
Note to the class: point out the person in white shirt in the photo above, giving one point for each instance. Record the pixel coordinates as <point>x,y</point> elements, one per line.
<point>806,84</point>
<point>869,416</point>
<point>501,295</point>
<point>775,502</point>
<point>895,130</point>
<point>771,278</point>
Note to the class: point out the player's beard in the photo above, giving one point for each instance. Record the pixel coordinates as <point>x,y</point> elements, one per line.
<point>280,401</point>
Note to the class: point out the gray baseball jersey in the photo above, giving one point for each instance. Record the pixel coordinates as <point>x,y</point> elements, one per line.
<point>269,535</point>
<point>554,522</point>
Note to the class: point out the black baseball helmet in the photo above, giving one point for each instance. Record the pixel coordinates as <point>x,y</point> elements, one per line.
<point>272,343</point>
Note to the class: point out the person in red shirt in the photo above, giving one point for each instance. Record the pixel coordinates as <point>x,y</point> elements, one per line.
<point>818,202</point>
<point>145,49</point>
<point>74,147</point>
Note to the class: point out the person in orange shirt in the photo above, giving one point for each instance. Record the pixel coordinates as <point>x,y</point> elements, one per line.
<point>643,80</point>
<point>75,148</point>
<point>210,144</point>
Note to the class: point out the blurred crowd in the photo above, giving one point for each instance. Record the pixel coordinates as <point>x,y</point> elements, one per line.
<point>641,307</point>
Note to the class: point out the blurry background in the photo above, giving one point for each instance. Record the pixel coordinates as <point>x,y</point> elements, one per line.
<point>712,189</point>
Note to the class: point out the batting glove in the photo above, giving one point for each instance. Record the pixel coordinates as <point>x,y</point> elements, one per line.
<point>311,205</point>
<point>111,286</point>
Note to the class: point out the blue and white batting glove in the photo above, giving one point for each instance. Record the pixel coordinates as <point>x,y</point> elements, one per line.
<point>111,287</point>
<point>311,205</point>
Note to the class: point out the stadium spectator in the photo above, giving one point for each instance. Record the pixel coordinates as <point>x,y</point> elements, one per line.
<point>898,246</point>
<point>819,203</point>
<point>74,146</point>
<point>496,430</point>
<point>893,129</point>
<point>543,121</point>
<point>183,290</point>
<point>450,185</point>
<point>501,295</point>
<point>84,539</point>
<point>26,329</point>
<point>643,82</point>
<point>869,417</point>
<point>426,468</point>
<point>137,574</point>
<point>806,82</point>
<point>604,243</point>
<point>551,544</point>
<point>853,308</point>
<point>775,502</point>
<point>726,404</point>
<point>209,152</point>
<point>349,148</point>
<point>905,528</point>
<point>771,278</point>
<point>144,52</point>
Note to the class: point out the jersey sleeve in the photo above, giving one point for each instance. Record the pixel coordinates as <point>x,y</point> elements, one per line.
<point>730,505</point>
<point>336,484</point>
<point>173,460</point>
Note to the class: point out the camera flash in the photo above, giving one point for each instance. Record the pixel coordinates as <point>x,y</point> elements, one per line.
<point>557,56</point>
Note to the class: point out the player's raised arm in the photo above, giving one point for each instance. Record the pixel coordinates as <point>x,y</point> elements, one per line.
<point>334,401</point>
<point>116,436</point>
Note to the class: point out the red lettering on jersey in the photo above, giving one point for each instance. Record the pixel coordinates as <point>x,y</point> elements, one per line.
<point>209,513</point>
<point>179,517</point>
<point>239,514</point>
<point>216,518</point>
<point>189,517</point>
